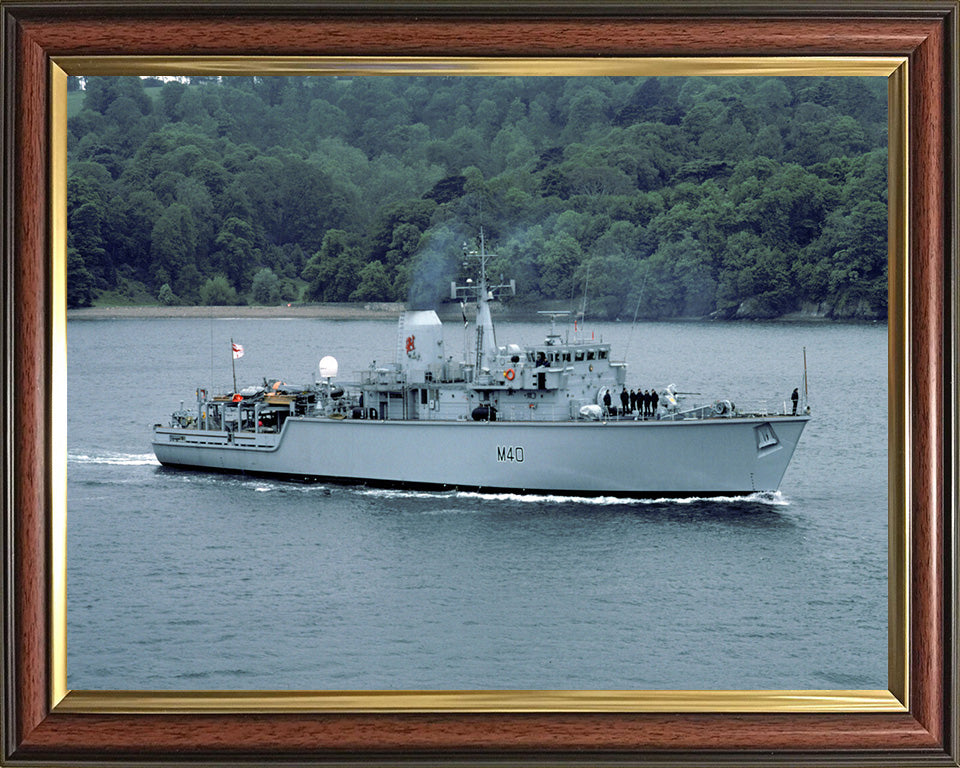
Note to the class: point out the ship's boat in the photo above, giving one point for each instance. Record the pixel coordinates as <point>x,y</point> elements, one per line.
<point>547,417</point>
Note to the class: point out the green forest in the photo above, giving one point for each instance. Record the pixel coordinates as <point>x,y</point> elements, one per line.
<point>653,197</point>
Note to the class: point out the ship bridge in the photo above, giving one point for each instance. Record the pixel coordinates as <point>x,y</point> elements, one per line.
<point>559,362</point>
<point>559,353</point>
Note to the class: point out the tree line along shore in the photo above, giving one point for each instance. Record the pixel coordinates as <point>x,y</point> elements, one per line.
<point>655,197</point>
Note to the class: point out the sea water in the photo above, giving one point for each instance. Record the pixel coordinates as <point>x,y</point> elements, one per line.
<point>189,580</point>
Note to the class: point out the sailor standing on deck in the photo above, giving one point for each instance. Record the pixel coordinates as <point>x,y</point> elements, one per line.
<point>624,400</point>
<point>795,397</point>
<point>654,402</point>
<point>607,401</point>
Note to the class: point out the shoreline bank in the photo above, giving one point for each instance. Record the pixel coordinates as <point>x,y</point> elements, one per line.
<point>381,311</point>
<point>369,311</point>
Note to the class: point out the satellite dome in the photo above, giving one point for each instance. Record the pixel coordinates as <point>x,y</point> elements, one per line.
<point>328,367</point>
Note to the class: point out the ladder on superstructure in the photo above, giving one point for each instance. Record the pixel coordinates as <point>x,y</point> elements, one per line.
<point>401,340</point>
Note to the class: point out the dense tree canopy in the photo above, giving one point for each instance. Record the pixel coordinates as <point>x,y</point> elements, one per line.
<point>661,197</point>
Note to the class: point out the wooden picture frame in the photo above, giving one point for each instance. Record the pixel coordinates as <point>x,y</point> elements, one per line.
<point>41,724</point>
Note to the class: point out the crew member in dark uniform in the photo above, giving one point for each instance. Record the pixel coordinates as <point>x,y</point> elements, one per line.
<point>654,402</point>
<point>607,401</point>
<point>644,402</point>
<point>633,400</point>
<point>624,400</point>
<point>795,397</point>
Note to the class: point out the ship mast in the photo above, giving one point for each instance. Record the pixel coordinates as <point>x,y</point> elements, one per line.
<point>483,294</point>
<point>486,337</point>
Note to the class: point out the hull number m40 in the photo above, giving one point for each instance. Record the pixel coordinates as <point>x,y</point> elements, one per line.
<point>510,453</point>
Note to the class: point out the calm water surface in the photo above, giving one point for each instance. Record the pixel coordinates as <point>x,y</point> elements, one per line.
<point>182,580</point>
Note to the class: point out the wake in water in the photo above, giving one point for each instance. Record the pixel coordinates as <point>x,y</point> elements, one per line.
<point>765,498</point>
<point>115,459</point>
<point>774,499</point>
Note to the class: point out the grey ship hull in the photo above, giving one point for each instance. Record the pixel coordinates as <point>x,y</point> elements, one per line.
<point>697,457</point>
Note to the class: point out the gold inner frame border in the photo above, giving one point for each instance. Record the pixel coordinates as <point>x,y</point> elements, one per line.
<point>895,699</point>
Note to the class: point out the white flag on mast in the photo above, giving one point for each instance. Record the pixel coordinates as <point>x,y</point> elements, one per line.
<point>237,351</point>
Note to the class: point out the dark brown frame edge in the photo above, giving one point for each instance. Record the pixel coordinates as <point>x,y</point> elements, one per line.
<point>925,32</point>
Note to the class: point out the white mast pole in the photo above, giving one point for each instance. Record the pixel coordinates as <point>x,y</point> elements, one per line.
<point>805,376</point>
<point>233,363</point>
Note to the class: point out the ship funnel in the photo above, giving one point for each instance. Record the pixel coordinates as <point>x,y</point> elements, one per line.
<point>419,340</point>
<point>329,367</point>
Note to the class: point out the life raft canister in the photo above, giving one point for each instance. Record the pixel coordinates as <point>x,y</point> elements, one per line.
<point>509,374</point>
<point>484,413</point>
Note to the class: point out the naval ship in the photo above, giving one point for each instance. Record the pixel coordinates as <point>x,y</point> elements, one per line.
<point>540,418</point>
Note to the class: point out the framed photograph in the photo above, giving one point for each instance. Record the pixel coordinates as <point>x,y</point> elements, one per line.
<point>914,718</point>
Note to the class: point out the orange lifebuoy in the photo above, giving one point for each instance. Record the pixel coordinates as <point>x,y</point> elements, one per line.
<point>509,374</point>
<point>237,397</point>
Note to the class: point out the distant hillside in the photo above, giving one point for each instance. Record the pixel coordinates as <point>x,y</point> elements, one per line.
<point>667,197</point>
